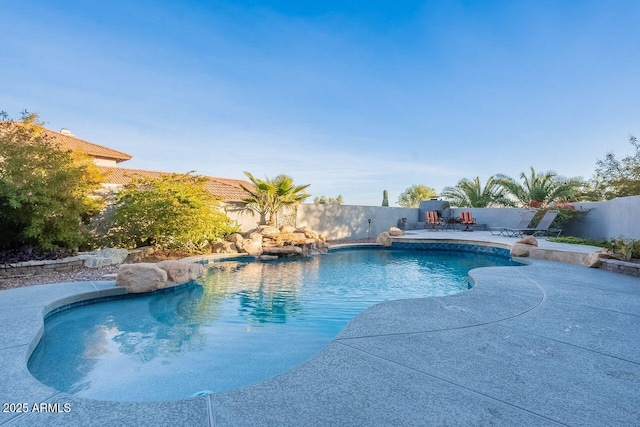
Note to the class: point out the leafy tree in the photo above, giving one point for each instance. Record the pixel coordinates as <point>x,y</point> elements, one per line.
<point>323,200</point>
<point>173,211</point>
<point>270,195</point>
<point>540,189</point>
<point>412,196</point>
<point>45,191</point>
<point>592,190</point>
<point>620,178</point>
<point>471,194</point>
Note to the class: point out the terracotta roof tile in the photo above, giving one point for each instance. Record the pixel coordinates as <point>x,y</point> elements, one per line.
<point>72,143</point>
<point>226,189</point>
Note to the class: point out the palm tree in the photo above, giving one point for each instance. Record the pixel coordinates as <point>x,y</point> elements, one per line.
<point>471,194</point>
<point>539,189</point>
<point>270,195</point>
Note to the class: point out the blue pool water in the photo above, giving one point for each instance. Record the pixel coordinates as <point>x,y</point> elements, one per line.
<point>242,323</point>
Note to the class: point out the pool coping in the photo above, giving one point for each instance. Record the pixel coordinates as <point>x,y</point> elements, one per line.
<point>500,296</point>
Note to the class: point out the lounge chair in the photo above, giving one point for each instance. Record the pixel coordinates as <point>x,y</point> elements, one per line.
<point>524,223</point>
<point>432,219</point>
<point>467,219</point>
<point>541,228</point>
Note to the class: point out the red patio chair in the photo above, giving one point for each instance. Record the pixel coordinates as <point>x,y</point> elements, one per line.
<point>432,219</point>
<point>467,219</point>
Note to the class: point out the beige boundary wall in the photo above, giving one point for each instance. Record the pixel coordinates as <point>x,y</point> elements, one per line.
<point>604,220</point>
<point>345,221</point>
<point>608,219</point>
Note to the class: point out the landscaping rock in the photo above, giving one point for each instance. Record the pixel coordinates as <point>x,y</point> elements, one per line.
<point>268,229</point>
<point>310,233</point>
<point>96,261</point>
<point>395,231</point>
<point>528,240</point>
<point>267,257</point>
<point>177,271</point>
<point>283,250</point>
<point>253,246</point>
<point>195,271</point>
<point>286,241</point>
<point>142,277</point>
<point>237,240</point>
<point>255,236</point>
<point>594,259</point>
<point>384,239</point>
<point>117,256</point>
<point>234,238</point>
<point>104,257</point>
<point>287,238</point>
<point>520,250</point>
<point>224,248</point>
<point>240,245</point>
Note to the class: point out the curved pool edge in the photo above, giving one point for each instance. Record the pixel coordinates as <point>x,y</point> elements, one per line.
<point>32,312</point>
<point>22,324</point>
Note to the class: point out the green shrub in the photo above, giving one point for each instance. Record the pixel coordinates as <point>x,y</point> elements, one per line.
<point>627,248</point>
<point>174,211</point>
<point>581,241</point>
<point>45,192</point>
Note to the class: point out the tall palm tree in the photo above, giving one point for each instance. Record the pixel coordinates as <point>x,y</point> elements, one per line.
<point>471,194</point>
<point>540,189</point>
<point>270,195</point>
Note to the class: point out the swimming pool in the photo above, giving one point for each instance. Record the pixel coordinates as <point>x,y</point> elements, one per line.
<point>242,323</point>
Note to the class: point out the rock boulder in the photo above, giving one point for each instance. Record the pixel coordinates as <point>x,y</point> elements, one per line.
<point>528,240</point>
<point>283,250</point>
<point>224,248</point>
<point>253,246</point>
<point>384,239</point>
<point>117,256</point>
<point>268,229</point>
<point>594,259</point>
<point>142,277</point>
<point>520,250</point>
<point>96,261</point>
<point>287,229</point>
<point>178,272</point>
<point>234,238</point>
<point>103,257</point>
<point>395,231</point>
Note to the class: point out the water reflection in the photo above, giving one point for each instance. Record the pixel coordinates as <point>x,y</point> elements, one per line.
<point>243,322</point>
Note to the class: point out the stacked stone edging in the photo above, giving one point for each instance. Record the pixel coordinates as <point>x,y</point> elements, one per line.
<point>32,268</point>
<point>621,267</point>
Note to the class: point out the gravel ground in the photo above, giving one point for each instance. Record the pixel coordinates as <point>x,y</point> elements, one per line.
<point>88,274</point>
<point>79,275</point>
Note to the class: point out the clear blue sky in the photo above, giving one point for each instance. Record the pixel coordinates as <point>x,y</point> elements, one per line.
<point>352,97</point>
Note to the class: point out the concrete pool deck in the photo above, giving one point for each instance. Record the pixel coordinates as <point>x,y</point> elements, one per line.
<point>543,344</point>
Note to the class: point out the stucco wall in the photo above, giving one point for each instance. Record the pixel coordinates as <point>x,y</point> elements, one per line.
<point>345,221</point>
<point>339,222</point>
<point>604,220</point>
<point>608,219</point>
<point>342,221</point>
<point>246,218</point>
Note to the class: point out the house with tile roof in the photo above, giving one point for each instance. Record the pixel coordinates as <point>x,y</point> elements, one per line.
<point>102,156</point>
<point>107,160</point>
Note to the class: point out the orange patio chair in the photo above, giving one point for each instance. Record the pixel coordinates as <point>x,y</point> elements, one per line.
<point>432,219</point>
<point>467,219</point>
